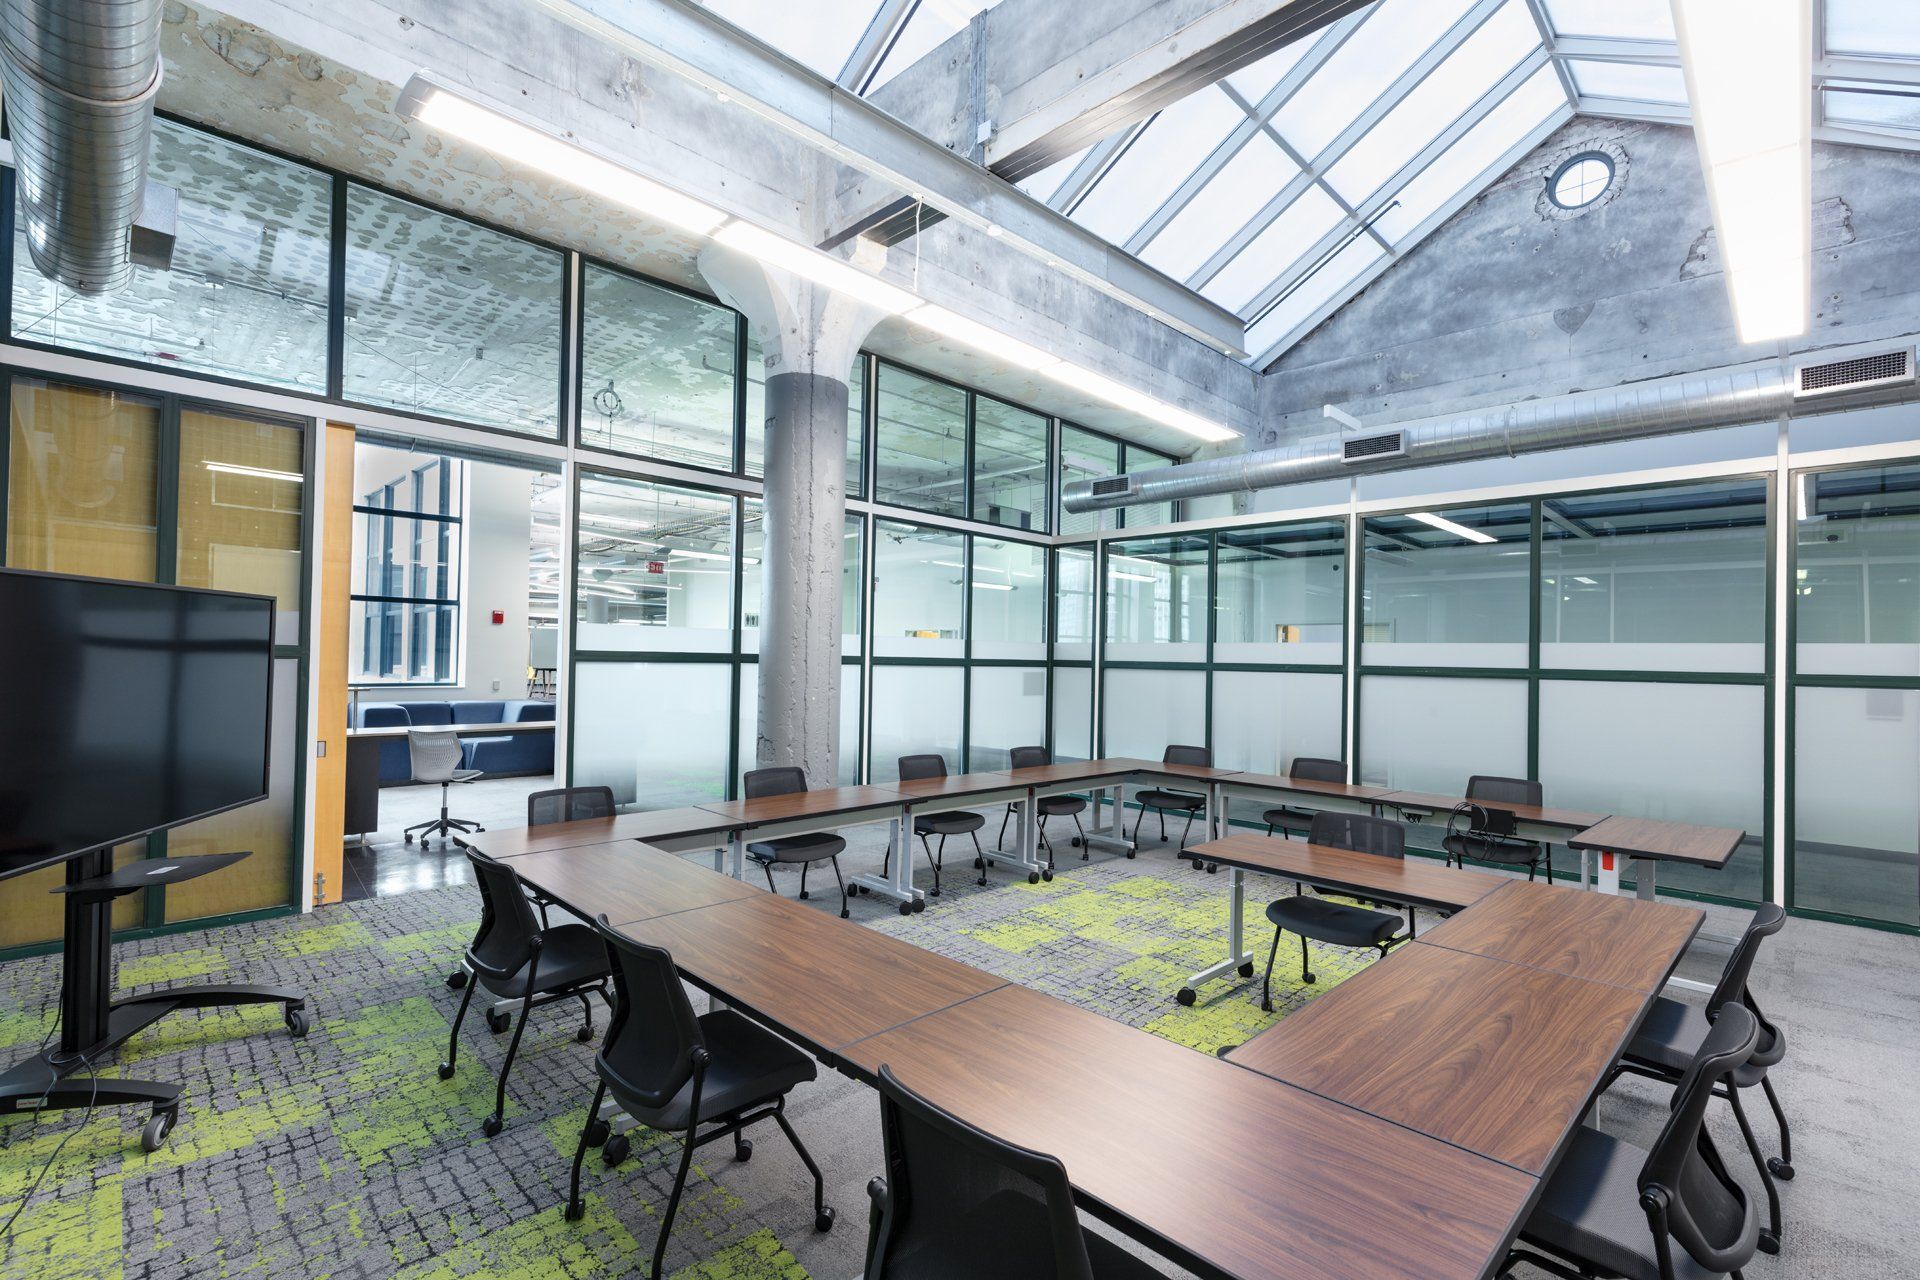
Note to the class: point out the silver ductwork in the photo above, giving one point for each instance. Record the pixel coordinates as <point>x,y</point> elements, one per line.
<point>80,79</point>
<point>1663,406</point>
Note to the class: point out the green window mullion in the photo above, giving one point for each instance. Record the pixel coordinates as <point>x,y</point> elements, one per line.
<point>1534,563</point>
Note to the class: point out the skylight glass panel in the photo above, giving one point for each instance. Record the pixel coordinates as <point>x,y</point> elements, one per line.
<point>1877,28</point>
<point>1874,106</point>
<point>1631,80</point>
<point>1167,150</point>
<point>1436,102</point>
<point>1300,226</point>
<point>821,35</point>
<point>1257,81</point>
<point>1460,167</point>
<point>1240,190</point>
<point>1394,35</point>
<point>1043,184</point>
<point>1612,19</point>
<point>1332,280</point>
<point>933,21</point>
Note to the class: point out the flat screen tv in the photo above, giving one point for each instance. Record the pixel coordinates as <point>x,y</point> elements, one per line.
<point>125,709</point>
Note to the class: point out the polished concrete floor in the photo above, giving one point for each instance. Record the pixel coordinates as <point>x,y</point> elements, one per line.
<point>384,863</point>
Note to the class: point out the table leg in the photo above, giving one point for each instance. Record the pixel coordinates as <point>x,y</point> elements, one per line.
<point>1586,866</point>
<point>897,884</point>
<point>736,855</point>
<point>1643,878</point>
<point>1239,959</point>
<point>1114,838</point>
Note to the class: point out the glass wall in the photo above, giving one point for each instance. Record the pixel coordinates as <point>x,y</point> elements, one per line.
<point>1447,589</point>
<point>753,538</point>
<point>1281,594</point>
<point>919,591</point>
<point>1157,602</point>
<point>756,424</point>
<point>82,494</point>
<point>1086,455</point>
<point>408,536</point>
<point>657,371</point>
<point>1009,465</point>
<point>920,443</point>
<point>242,494</point>
<point>656,568</point>
<point>1009,600</point>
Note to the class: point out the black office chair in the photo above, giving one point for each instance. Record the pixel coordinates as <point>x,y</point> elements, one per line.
<point>958,1202</point>
<point>513,958</point>
<point>1613,1209</point>
<point>673,1072</point>
<point>1482,832</point>
<point>1290,821</point>
<point>436,756</point>
<point>817,846</point>
<point>1047,806</point>
<point>1339,923</point>
<point>956,823</point>
<point>1671,1036</point>
<point>1161,799</point>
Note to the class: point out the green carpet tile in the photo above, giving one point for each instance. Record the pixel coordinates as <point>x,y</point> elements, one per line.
<point>344,1154</point>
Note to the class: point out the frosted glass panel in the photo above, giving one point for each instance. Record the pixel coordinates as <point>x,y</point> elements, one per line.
<point>752,585</point>
<point>1281,595</point>
<point>916,711</point>
<point>1146,711</point>
<point>1451,593</point>
<point>1073,713</point>
<point>1686,753</point>
<point>1421,733</point>
<point>655,568</point>
<point>1629,80</point>
<point>1857,571</point>
<point>1009,600</point>
<point>1076,593</point>
<point>1235,194</point>
<point>1669,579</point>
<point>917,591</point>
<point>1279,245</point>
<point>655,732</point>
<point>1263,719</point>
<point>1394,34</point>
<point>1157,600</point>
<point>849,746</point>
<point>1618,19</point>
<point>1856,811</point>
<point>1009,709</point>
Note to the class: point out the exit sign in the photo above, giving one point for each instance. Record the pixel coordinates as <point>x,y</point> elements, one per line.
<point>656,566</point>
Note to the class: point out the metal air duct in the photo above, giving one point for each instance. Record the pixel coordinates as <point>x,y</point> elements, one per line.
<point>80,79</point>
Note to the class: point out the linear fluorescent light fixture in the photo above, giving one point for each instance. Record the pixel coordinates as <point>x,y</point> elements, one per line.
<point>811,264</point>
<point>258,473</point>
<point>1130,577</point>
<point>1445,525</point>
<point>680,552</point>
<point>991,342</point>
<point>451,111</point>
<point>1748,66</point>
<point>1121,396</point>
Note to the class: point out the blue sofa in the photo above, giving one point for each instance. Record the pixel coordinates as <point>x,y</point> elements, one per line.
<point>494,754</point>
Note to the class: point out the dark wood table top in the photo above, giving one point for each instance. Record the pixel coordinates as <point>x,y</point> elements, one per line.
<point>1198,772</point>
<point>1423,802</point>
<point>1499,1058</point>
<point>1583,934</point>
<point>1664,841</point>
<point>824,802</point>
<point>959,784</point>
<point>1279,782</point>
<point>1418,881</point>
<point>655,824</point>
<point>822,980</point>
<point>1045,775</point>
<point>626,880</point>
<point>1249,1177</point>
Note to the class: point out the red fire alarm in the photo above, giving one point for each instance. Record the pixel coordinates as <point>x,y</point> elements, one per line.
<point>499,616</point>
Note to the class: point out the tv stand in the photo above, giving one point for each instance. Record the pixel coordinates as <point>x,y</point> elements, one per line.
<point>93,1024</point>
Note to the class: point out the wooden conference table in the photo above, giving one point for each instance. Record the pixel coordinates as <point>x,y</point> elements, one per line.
<point>1291,1159</point>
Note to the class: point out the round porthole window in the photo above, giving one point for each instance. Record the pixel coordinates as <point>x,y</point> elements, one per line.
<point>1581,180</point>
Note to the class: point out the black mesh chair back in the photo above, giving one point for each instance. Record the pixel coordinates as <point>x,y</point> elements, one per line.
<point>569,804</point>
<point>926,766</point>
<point>1505,790</point>
<point>779,780</point>
<point>1313,769</point>
<point>1027,757</point>
<point>648,1054</point>
<point>1187,755</point>
<point>1360,833</point>
<point>504,942</point>
<point>1705,1208</point>
<point>1732,987</point>
<point>960,1202</point>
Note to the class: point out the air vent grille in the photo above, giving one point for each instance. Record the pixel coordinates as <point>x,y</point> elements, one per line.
<point>1112,485</point>
<point>1390,444</point>
<point>1854,374</point>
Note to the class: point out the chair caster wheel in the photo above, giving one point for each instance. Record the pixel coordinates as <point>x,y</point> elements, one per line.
<point>478,830</point>
<point>491,1126</point>
<point>584,1035</point>
<point>823,1220</point>
<point>446,1071</point>
<point>575,1211</point>
<point>845,914</point>
<point>1266,1006</point>
<point>1130,853</point>
<point>1779,1168</point>
<point>906,908</point>
<point>297,1024</point>
<point>1246,970</point>
<point>154,1132</point>
<point>1199,865</point>
<point>408,838</point>
<point>1076,842</point>
<point>804,895</point>
<point>1309,978</point>
<point>1213,868</point>
<point>457,980</point>
<point>743,1150</point>
<point>1033,877</point>
<point>1186,996</point>
<point>615,1151</point>
<point>1047,876</point>
<point>498,1022</point>
<point>935,893</point>
<point>1769,1242</point>
<point>979,864</point>
<point>598,1131</point>
<point>919,905</point>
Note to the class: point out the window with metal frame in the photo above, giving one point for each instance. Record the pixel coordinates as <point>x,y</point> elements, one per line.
<point>406,590</point>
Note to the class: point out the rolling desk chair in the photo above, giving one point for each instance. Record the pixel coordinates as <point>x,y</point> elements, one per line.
<point>436,758</point>
<point>673,1072</point>
<point>1485,834</point>
<point>1670,1038</point>
<point>957,1201</point>
<point>1290,821</point>
<point>1611,1208</point>
<point>1338,923</point>
<point>1160,799</point>
<point>954,823</point>
<point>515,959</point>
<point>1047,806</point>
<point>816,846</point>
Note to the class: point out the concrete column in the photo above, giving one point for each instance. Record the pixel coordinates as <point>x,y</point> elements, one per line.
<point>809,337</point>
